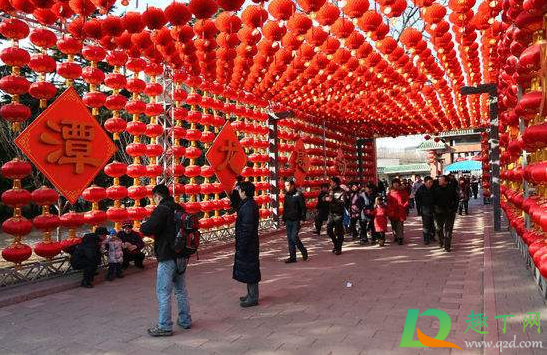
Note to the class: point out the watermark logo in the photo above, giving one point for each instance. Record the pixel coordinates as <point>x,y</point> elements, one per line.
<point>476,322</point>
<point>445,323</point>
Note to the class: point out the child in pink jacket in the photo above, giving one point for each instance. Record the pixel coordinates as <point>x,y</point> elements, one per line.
<point>380,220</point>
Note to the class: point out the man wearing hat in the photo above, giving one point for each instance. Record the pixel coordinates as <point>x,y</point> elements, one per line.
<point>133,245</point>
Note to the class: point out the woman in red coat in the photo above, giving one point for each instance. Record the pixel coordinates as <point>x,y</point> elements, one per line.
<point>397,205</point>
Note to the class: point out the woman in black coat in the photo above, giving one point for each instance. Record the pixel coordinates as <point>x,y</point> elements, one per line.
<point>247,261</point>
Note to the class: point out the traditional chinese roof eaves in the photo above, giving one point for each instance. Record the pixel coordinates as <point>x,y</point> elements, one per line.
<point>405,168</point>
<point>461,132</point>
<point>432,145</point>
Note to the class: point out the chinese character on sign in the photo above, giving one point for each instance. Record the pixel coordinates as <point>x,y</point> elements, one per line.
<point>532,320</point>
<point>227,157</point>
<point>67,144</point>
<point>73,145</point>
<point>476,322</point>
<point>300,162</point>
<point>341,163</point>
<point>231,149</point>
<point>505,316</point>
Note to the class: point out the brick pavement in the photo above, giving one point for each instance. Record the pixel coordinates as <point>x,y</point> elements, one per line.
<point>305,308</point>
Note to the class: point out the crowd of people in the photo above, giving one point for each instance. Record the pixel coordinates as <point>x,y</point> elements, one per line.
<point>362,212</point>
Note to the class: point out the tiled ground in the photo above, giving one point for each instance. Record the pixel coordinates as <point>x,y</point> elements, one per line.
<point>306,308</point>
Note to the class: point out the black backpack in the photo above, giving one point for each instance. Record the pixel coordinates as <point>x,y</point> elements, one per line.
<point>187,235</point>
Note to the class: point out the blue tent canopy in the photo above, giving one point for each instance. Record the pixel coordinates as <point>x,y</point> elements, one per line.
<point>466,165</point>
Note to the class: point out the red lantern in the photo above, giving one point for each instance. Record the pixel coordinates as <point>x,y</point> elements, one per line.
<point>72,221</point>
<point>95,217</point>
<point>17,253</point>
<point>15,112</point>
<point>16,197</point>
<point>116,214</point>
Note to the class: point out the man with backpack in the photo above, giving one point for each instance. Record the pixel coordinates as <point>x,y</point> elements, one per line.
<point>86,256</point>
<point>162,224</point>
<point>294,212</point>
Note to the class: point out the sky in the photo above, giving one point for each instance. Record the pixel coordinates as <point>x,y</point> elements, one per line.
<point>399,142</point>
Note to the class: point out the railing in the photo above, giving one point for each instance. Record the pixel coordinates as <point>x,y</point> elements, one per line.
<point>59,266</point>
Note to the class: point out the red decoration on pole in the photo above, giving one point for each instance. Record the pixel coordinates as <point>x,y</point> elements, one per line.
<point>227,157</point>
<point>63,144</point>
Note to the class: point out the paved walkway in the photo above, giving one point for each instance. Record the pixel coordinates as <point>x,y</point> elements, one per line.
<point>306,308</point>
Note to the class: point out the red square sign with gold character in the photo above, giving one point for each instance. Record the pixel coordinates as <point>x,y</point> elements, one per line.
<point>227,157</point>
<point>67,145</point>
<point>341,162</point>
<point>299,161</point>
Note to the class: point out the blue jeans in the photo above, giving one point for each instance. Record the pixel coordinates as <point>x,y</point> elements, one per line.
<point>166,277</point>
<point>292,237</point>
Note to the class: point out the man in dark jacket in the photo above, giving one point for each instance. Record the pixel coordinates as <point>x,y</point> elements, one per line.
<point>367,214</point>
<point>445,203</point>
<point>87,255</point>
<point>133,245</point>
<point>322,208</point>
<point>465,194</point>
<point>475,186</point>
<point>335,227</point>
<point>247,259</point>
<point>424,201</point>
<point>294,212</point>
<point>161,225</point>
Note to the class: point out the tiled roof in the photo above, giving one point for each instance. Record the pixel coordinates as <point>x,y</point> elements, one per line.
<point>405,168</point>
<point>431,145</point>
<point>461,132</point>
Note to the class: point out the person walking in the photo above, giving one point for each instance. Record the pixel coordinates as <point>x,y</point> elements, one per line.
<point>425,199</point>
<point>445,202</point>
<point>475,186</point>
<point>161,225</point>
<point>415,186</point>
<point>355,208</point>
<point>397,206</point>
<point>247,253</point>
<point>294,212</point>
<point>337,201</point>
<point>322,208</point>
<point>464,194</point>
<point>367,214</point>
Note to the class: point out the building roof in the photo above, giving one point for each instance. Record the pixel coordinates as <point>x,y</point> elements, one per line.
<point>432,145</point>
<point>405,168</point>
<point>461,132</point>
<point>465,165</point>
